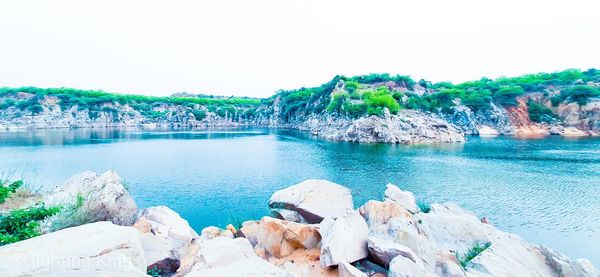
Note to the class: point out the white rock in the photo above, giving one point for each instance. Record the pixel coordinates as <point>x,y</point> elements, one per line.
<point>223,256</point>
<point>384,251</point>
<point>104,198</point>
<point>404,198</point>
<point>390,221</point>
<point>405,267</point>
<point>96,249</point>
<point>344,238</point>
<point>212,232</point>
<point>167,223</point>
<point>311,200</point>
<point>347,270</point>
<point>486,131</point>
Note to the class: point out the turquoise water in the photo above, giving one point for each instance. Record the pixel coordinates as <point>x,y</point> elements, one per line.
<point>546,190</point>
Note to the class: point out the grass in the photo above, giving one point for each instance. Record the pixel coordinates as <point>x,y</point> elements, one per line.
<point>424,206</point>
<point>472,252</point>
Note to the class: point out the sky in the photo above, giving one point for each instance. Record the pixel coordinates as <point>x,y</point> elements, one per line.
<point>255,47</point>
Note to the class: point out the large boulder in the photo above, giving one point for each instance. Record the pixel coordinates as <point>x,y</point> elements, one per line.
<point>164,234</point>
<point>402,266</point>
<point>96,249</point>
<point>311,201</point>
<point>384,251</point>
<point>404,198</point>
<point>280,237</point>
<point>87,197</point>
<point>344,238</point>
<point>390,221</point>
<point>165,222</point>
<point>223,256</point>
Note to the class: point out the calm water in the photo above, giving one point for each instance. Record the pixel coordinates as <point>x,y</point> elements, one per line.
<point>546,190</point>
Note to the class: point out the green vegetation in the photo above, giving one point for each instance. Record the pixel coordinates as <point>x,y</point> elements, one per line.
<point>369,94</point>
<point>154,272</point>
<point>472,252</point>
<point>424,206</point>
<point>540,113</point>
<point>24,223</point>
<point>358,96</point>
<point>579,94</point>
<point>7,189</point>
<point>100,101</point>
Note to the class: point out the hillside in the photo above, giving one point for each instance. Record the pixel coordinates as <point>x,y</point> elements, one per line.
<point>369,108</point>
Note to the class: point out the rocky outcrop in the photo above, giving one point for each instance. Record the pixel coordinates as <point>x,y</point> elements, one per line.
<point>311,201</point>
<point>408,126</point>
<point>88,197</point>
<point>87,250</point>
<point>381,237</point>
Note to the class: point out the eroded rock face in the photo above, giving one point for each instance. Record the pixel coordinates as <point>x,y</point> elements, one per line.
<point>310,201</point>
<point>344,238</point>
<point>98,198</point>
<point>408,126</point>
<point>95,249</point>
<point>281,238</point>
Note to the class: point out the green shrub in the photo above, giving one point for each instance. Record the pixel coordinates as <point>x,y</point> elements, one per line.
<point>336,103</point>
<point>351,86</point>
<point>423,206</point>
<point>580,94</point>
<point>7,103</point>
<point>22,224</point>
<point>355,110</point>
<point>154,272</point>
<point>7,189</point>
<point>540,113</point>
<point>507,96</point>
<point>199,114</point>
<point>472,252</point>
<point>36,109</point>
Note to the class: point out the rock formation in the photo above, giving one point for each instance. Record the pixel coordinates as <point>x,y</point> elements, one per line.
<point>390,237</point>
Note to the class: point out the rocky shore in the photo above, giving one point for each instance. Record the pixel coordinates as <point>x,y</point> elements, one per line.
<point>314,230</point>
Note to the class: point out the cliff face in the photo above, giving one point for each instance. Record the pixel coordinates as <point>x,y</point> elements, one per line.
<point>369,108</point>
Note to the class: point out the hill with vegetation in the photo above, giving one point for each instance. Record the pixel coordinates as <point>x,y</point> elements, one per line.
<point>565,102</point>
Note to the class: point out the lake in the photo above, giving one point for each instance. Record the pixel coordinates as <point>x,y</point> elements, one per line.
<point>546,190</point>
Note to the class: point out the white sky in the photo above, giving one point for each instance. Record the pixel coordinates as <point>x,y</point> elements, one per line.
<point>256,47</point>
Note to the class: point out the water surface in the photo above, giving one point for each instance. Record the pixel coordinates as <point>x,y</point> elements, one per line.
<point>546,190</point>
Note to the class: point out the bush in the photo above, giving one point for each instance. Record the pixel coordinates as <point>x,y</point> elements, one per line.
<point>540,113</point>
<point>507,96</point>
<point>36,109</point>
<point>199,114</point>
<point>22,224</point>
<point>424,206</point>
<point>579,94</point>
<point>7,189</point>
<point>7,103</point>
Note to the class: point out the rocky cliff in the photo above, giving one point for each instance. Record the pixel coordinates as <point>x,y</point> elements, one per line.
<point>314,230</point>
<point>369,108</point>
